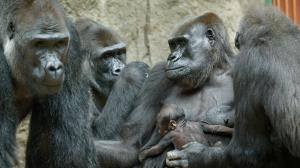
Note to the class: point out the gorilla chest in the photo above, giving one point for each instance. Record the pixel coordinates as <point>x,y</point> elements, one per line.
<point>23,107</point>
<point>23,100</point>
<point>198,101</point>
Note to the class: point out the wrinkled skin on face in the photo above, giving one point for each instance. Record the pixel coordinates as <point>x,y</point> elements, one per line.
<point>36,49</point>
<point>105,54</point>
<point>107,65</point>
<point>193,56</point>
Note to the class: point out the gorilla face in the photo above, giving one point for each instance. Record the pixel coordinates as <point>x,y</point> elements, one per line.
<point>192,56</point>
<point>107,63</point>
<point>36,48</point>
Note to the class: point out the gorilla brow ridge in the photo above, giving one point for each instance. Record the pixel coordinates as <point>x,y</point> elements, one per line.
<point>206,19</point>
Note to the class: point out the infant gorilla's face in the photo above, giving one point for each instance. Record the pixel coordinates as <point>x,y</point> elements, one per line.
<point>168,118</point>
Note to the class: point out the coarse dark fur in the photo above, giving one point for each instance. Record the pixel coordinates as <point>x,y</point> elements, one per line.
<point>174,130</point>
<point>201,49</point>
<point>8,117</point>
<point>120,102</point>
<point>113,88</point>
<point>59,133</point>
<point>266,86</point>
<point>139,125</point>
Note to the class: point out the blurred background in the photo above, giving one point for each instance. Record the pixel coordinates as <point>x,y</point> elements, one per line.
<point>146,25</point>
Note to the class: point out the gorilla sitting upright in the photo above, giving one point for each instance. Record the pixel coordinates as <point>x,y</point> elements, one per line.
<point>114,86</point>
<point>196,78</point>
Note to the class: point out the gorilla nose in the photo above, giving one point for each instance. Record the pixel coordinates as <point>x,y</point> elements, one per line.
<point>173,57</point>
<point>54,70</point>
<point>117,71</point>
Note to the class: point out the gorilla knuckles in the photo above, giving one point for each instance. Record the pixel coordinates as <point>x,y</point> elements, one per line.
<point>106,50</point>
<point>195,43</point>
<point>36,47</point>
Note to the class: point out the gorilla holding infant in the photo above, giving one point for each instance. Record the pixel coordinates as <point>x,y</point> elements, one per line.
<point>266,87</point>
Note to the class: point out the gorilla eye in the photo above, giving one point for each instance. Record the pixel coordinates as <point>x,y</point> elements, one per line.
<point>237,42</point>
<point>107,55</point>
<point>62,43</point>
<point>11,30</point>
<point>119,52</point>
<point>40,44</point>
<point>210,34</point>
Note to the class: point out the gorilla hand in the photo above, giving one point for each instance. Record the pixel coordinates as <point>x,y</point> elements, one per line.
<point>180,158</point>
<point>195,154</point>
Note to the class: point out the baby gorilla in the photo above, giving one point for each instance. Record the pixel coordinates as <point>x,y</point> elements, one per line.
<point>174,129</point>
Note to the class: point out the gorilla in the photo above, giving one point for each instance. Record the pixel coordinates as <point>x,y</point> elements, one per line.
<point>196,77</point>
<point>170,120</point>
<point>114,86</point>
<point>266,88</point>
<point>39,60</point>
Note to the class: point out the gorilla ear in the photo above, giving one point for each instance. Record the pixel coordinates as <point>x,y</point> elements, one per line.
<point>210,33</point>
<point>11,30</point>
<point>260,34</point>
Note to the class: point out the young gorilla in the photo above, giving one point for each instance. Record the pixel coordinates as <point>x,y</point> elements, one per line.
<point>113,88</point>
<point>171,119</point>
<point>266,85</point>
<point>195,78</point>
<point>39,63</point>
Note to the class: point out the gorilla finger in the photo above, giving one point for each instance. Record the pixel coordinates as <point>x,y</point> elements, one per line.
<point>175,154</point>
<point>177,163</point>
<point>188,144</point>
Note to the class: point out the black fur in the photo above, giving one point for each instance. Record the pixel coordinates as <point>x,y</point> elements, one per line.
<point>113,95</point>
<point>59,132</point>
<point>176,87</point>
<point>140,124</point>
<point>266,86</point>
<point>8,116</point>
<point>120,101</point>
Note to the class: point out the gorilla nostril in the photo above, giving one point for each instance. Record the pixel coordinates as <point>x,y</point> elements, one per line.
<point>172,58</point>
<point>117,72</point>
<point>54,69</point>
<point>51,68</point>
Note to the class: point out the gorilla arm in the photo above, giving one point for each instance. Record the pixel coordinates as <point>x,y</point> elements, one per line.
<point>140,123</point>
<point>8,115</point>
<point>120,101</point>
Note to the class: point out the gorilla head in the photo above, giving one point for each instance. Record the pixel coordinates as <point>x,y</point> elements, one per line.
<point>197,47</point>
<point>106,54</point>
<point>36,47</point>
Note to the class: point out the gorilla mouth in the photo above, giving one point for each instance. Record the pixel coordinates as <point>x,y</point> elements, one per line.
<point>52,86</point>
<point>174,68</point>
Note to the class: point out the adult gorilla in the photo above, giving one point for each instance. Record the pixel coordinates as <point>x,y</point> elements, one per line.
<point>114,86</point>
<point>266,85</point>
<point>195,78</point>
<point>40,74</point>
